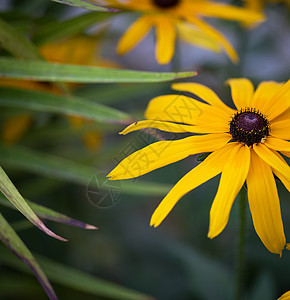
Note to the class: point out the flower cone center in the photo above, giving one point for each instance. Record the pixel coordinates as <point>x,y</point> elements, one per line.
<point>249,126</point>
<point>166,3</point>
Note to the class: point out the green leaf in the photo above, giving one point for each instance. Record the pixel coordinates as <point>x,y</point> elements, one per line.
<point>44,71</point>
<point>86,5</point>
<point>15,43</point>
<point>49,214</point>
<point>15,244</point>
<point>46,102</point>
<point>12,194</point>
<point>56,167</point>
<point>52,31</point>
<point>75,279</point>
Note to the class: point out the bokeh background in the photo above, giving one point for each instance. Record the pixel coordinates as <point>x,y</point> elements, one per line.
<point>175,260</point>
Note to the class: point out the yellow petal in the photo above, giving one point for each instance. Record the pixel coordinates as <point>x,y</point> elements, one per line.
<point>242,91</point>
<point>285,296</point>
<point>285,153</point>
<point>15,127</point>
<point>271,159</point>
<point>264,205</point>
<point>281,129</point>
<point>277,144</point>
<point>165,40</point>
<point>161,125</point>
<point>203,92</point>
<point>211,32</point>
<point>134,34</point>
<point>229,12</point>
<point>182,109</point>
<point>264,93</point>
<point>232,179</point>
<point>163,153</point>
<point>206,170</point>
<point>196,37</point>
<point>282,117</point>
<point>279,102</point>
<point>279,175</point>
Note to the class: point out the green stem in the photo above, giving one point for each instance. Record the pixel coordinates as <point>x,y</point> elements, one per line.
<point>241,251</point>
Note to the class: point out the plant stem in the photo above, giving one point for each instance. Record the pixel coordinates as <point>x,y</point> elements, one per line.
<point>241,250</point>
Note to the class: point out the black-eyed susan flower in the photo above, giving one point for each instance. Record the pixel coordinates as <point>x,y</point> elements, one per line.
<point>185,17</point>
<point>244,145</point>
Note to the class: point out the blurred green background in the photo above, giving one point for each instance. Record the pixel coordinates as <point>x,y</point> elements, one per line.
<point>175,260</point>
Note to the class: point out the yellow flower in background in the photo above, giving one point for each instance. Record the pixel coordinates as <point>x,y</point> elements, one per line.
<point>184,17</point>
<point>285,296</point>
<point>77,50</point>
<point>244,144</point>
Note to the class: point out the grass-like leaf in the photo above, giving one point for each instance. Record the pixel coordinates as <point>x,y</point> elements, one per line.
<point>12,194</point>
<point>56,167</point>
<point>15,244</point>
<point>45,71</point>
<point>15,43</point>
<point>75,279</point>
<point>49,214</point>
<point>52,31</point>
<point>86,5</point>
<point>46,102</point>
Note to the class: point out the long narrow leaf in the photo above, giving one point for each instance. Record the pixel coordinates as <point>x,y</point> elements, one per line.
<point>44,71</point>
<point>15,244</point>
<point>86,5</point>
<point>75,279</point>
<point>56,30</point>
<point>15,43</point>
<point>11,193</point>
<point>46,102</point>
<point>49,165</point>
<point>49,214</point>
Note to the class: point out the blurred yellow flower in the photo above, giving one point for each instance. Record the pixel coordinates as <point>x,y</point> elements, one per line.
<point>244,145</point>
<point>77,50</point>
<point>182,16</point>
<point>285,296</point>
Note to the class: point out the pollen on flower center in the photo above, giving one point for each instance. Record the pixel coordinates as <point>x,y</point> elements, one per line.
<point>249,126</point>
<point>165,3</point>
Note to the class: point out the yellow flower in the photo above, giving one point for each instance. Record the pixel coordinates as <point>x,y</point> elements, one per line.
<point>182,16</point>
<point>244,145</point>
<point>78,50</point>
<point>285,296</point>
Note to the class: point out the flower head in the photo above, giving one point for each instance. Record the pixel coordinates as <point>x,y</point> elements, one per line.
<point>185,17</point>
<point>243,145</point>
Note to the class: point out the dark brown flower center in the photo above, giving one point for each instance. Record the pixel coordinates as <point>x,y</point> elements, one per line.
<point>249,127</point>
<point>166,3</point>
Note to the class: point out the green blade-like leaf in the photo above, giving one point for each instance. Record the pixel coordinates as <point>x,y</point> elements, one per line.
<point>56,30</point>
<point>15,244</point>
<point>49,214</point>
<point>46,102</point>
<point>75,279</point>
<point>86,5</point>
<point>12,194</point>
<point>15,43</point>
<point>44,71</point>
<point>49,165</point>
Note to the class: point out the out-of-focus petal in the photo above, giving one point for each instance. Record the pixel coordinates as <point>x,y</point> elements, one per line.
<point>134,34</point>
